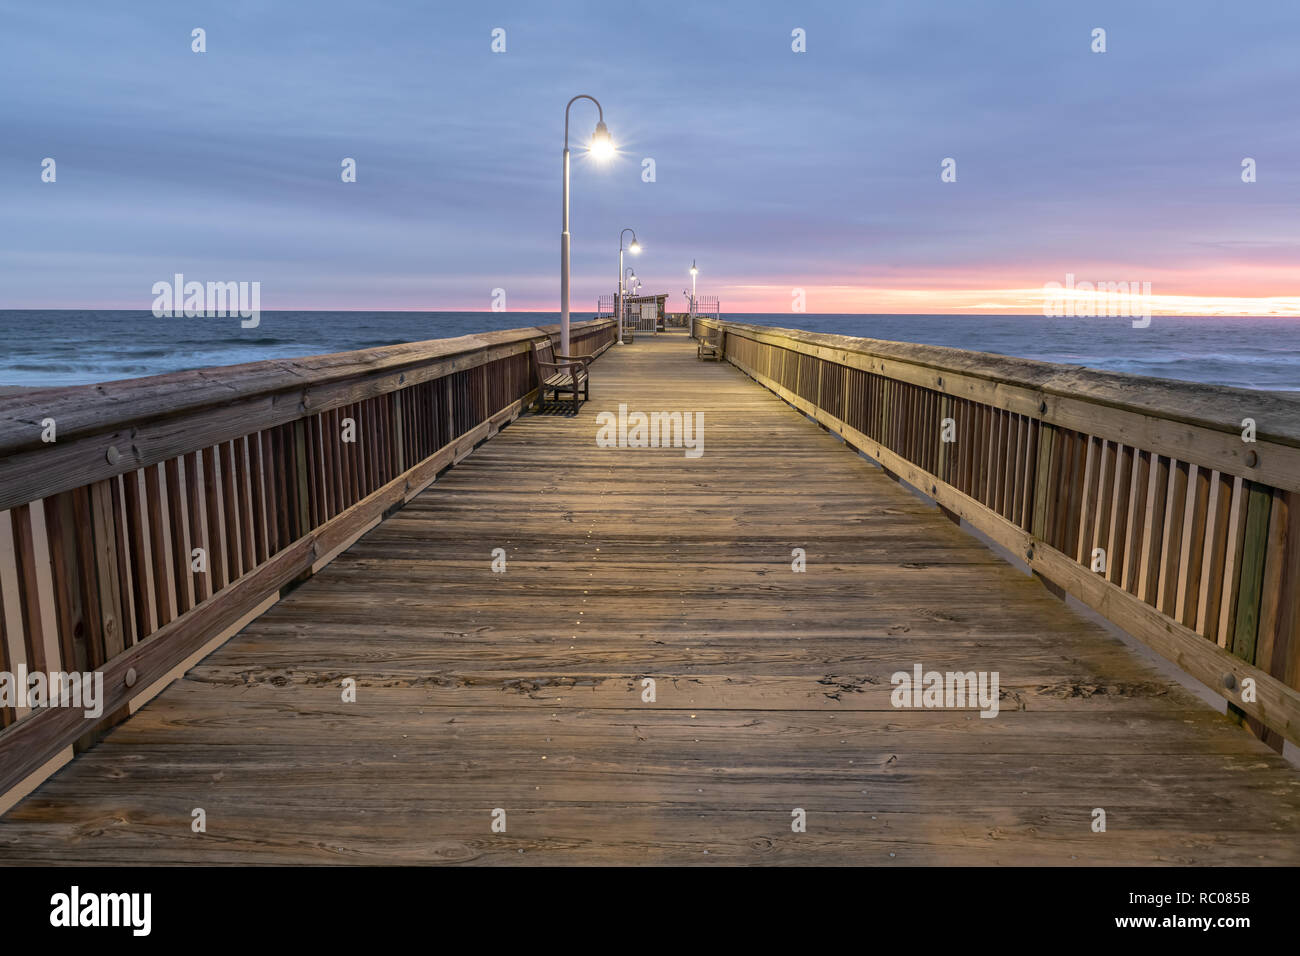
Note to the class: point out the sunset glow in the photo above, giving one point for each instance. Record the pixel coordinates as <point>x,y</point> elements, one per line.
<point>874,181</point>
<point>994,301</point>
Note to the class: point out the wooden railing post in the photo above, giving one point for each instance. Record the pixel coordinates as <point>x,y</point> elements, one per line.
<point>941,454</point>
<point>399,442</point>
<point>1258,504</point>
<point>448,418</point>
<point>1042,480</point>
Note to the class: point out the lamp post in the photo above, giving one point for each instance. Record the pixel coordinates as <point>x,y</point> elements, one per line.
<point>618,299</point>
<point>602,147</point>
<point>694,273</point>
<point>631,282</point>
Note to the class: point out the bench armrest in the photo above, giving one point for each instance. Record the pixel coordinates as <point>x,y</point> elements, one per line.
<point>584,359</point>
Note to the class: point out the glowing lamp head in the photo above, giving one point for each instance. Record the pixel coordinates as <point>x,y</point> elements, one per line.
<point>635,248</point>
<point>694,271</point>
<point>602,147</point>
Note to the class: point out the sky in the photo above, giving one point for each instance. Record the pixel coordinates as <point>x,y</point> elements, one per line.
<point>789,177</point>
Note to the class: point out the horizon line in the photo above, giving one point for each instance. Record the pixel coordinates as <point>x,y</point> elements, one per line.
<point>724,314</point>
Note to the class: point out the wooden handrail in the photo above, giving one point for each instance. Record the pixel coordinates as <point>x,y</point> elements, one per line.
<point>110,428</point>
<point>168,510</point>
<point>1197,530</point>
<point>1074,392</point>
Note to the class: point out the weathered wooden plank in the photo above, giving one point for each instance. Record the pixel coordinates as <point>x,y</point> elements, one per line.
<point>29,744</point>
<point>196,523</point>
<point>1069,491</point>
<point>157,535</point>
<point>112,623</point>
<point>34,613</point>
<point>1277,705</point>
<point>1043,489</point>
<point>1213,578</point>
<point>126,573</point>
<point>215,520</point>
<point>1251,578</point>
<point>252,501</point>
<point>1106,482</point>
<point>1232,563</point>
<point>178,515</point>
<point>773,686</point>
<point>230,510</point>
<point>303,476</point>
<point>1278,613</point>
<point>1088,505</point>
<point>1138,516</point>
<point>1192,558</point>
<point>67,589</point>
<point>1153,532</point>
<point>1171,552</point>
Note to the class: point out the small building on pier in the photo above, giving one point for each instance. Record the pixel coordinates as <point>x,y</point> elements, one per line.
<point>645,313</point>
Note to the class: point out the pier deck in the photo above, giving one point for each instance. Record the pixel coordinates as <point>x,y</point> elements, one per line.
<point>523,690</point>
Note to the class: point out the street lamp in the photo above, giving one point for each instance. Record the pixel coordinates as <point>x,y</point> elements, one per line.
<point>602,147</point>
<point>618,299</point>
<point>633,283</point>
<point>694,273</point>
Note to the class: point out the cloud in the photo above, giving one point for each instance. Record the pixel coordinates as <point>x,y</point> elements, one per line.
<point>774,169</point>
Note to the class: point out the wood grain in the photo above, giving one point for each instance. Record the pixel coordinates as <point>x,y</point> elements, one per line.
<point>522,690</point>
<point>1266,698</point>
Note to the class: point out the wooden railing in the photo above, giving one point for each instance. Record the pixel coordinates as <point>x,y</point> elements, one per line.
<point>143,522</point>
<point>1139,496</point>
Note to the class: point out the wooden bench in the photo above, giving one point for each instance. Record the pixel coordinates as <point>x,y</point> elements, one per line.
<point>560,373</point>
<point>710,347</point>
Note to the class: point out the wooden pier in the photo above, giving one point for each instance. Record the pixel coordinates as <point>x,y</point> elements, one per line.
<point>523,689</point>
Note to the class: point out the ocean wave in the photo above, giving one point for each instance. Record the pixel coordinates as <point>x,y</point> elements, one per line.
<point>76,347</point>
<point>47,367</point>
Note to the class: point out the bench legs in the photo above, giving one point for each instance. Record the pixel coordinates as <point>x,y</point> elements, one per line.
<point>579,395</point>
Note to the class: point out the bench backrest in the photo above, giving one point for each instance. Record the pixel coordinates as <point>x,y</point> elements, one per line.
<point>542,351</point>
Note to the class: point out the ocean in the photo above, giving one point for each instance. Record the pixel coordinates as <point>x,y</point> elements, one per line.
<point>41,348</point>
